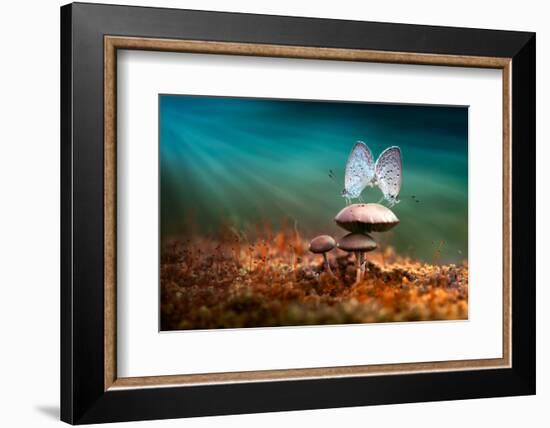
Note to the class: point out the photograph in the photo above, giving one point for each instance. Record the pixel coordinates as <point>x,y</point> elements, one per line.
<point>283,212</point>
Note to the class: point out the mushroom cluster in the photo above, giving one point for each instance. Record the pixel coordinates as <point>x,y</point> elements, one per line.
<point>359,220</point>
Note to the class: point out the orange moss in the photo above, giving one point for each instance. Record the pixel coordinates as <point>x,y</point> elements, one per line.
<point>276,282</point>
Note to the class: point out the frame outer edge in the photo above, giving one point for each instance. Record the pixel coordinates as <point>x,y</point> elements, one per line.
<point>524,217</point>
<point>305,31</point>
<point>66,304</point>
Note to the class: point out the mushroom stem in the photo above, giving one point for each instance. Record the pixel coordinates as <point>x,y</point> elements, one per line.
<point>327,265</point>
<point>358,267</point>
<point>363,265</point>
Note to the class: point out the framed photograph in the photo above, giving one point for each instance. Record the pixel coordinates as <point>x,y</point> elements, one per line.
<point>265,213</point>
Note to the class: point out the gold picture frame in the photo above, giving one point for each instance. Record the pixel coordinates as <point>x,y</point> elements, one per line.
<point>114,43</point>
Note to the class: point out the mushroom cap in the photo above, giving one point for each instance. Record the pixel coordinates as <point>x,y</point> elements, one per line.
<point>322,244</point>
<point>357,242</point>
<point>363,218</point>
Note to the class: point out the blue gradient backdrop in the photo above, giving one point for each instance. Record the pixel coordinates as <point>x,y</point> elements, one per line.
<point>247,161</point>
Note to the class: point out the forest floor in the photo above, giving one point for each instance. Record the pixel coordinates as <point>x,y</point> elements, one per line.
<point>229,283</point>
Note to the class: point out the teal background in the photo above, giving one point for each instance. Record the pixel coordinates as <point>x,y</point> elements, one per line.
<point>245,162</point>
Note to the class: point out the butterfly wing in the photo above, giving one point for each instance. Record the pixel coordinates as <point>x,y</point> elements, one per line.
<point>388,173</point>
<point>359,170</point>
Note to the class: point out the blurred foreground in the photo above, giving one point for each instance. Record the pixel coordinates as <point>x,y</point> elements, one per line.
<point>231,283</point>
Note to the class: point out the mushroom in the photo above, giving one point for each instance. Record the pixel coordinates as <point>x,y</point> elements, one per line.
<point>359,244</point>
<point>365,218</point>
<point>322,245</point>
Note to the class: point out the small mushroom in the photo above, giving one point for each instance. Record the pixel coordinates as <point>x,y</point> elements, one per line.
<point>359,244</point>
<point>322,245</point>
<point>365,218</point>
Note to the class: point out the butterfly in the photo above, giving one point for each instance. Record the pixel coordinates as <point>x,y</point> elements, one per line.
<point>362,171</point>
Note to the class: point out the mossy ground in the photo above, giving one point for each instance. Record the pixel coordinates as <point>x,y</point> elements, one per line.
<point>231,283</point>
